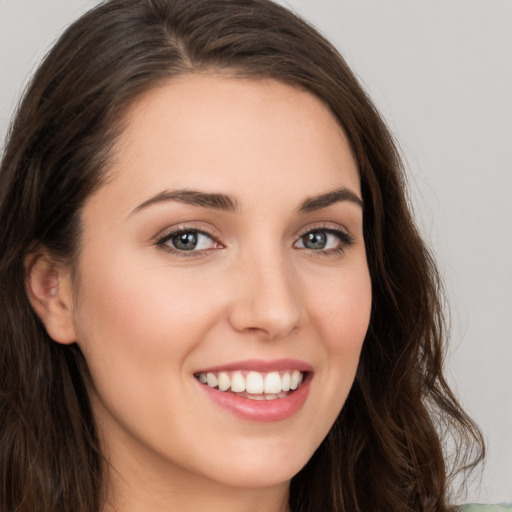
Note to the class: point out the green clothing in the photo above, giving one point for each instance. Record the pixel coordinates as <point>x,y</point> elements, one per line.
<point>485,508</point>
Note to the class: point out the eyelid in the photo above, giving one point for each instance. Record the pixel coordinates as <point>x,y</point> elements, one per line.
<point>198,227</point>
<point>164,236</point>
<point>347,239</point>
<point>325,226</point>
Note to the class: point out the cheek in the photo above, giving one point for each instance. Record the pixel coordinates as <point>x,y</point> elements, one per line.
<point>132,320</point>
<point>342,309</point>
<point>341,315</point>
<point>338,314</point>
<point>136,328</point>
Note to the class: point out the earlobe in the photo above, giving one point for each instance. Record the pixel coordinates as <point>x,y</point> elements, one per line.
<point>49,290</point>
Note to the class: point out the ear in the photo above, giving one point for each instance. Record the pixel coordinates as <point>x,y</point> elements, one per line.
<point>49,289</point>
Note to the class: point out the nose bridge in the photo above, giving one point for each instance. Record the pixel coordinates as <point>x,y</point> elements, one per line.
<point>266,300</point>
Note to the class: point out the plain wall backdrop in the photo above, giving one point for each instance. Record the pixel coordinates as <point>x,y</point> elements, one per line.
<point>440,72</point>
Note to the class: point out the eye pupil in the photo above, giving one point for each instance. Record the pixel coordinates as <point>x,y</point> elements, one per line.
<point>315,240</point>
<point>185,241</point>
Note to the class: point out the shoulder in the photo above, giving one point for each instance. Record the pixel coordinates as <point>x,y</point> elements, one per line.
<point>485,508</point>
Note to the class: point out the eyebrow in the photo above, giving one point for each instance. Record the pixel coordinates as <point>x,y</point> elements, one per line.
<point>227,203</point>
<point>320,201</point>
<point>194,198</point>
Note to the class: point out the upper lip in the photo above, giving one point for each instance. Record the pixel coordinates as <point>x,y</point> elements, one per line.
<point>260,365</point>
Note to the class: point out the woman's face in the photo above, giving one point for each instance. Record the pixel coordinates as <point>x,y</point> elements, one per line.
<point>225,251</point>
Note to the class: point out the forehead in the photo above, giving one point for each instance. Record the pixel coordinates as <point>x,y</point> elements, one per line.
<point>208,131</point>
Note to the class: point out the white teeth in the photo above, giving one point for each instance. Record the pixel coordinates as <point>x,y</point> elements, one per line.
<point>296,379</point>
<point>272,383</point>
<point>211,379</point>
<point>254,385</point>
<point>237,382</point>
<point>224,381</point>
<point>285,382</point>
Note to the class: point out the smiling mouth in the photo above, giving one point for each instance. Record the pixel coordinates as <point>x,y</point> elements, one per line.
<point>254,385</point>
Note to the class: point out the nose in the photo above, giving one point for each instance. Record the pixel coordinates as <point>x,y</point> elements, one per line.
<point>266,300</point>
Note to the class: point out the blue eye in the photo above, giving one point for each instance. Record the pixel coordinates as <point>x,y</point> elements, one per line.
<point>325,240</point>
<point>187,241</point>
<point>317,240</point>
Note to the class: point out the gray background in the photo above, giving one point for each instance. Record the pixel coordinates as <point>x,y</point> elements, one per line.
<point>440,72</point>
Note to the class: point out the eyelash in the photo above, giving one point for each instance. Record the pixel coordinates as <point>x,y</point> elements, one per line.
<point>162,242</point>
<point>346,240</point>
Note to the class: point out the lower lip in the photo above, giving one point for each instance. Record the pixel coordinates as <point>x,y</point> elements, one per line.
<point>261,410</point>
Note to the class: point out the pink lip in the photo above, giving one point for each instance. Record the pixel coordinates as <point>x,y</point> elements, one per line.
<point>260,365</point>
<point>261,410</point>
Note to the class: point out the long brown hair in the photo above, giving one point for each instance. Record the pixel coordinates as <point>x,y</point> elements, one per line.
<point>385,450</point>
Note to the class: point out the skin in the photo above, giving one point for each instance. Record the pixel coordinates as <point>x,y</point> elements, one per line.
<point>147,319</point>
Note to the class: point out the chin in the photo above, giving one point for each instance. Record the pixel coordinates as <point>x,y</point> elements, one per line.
<point>262,468</point>
<point>258,477</point>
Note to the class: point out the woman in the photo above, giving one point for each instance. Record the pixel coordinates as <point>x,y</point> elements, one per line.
<point>214,292</point>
